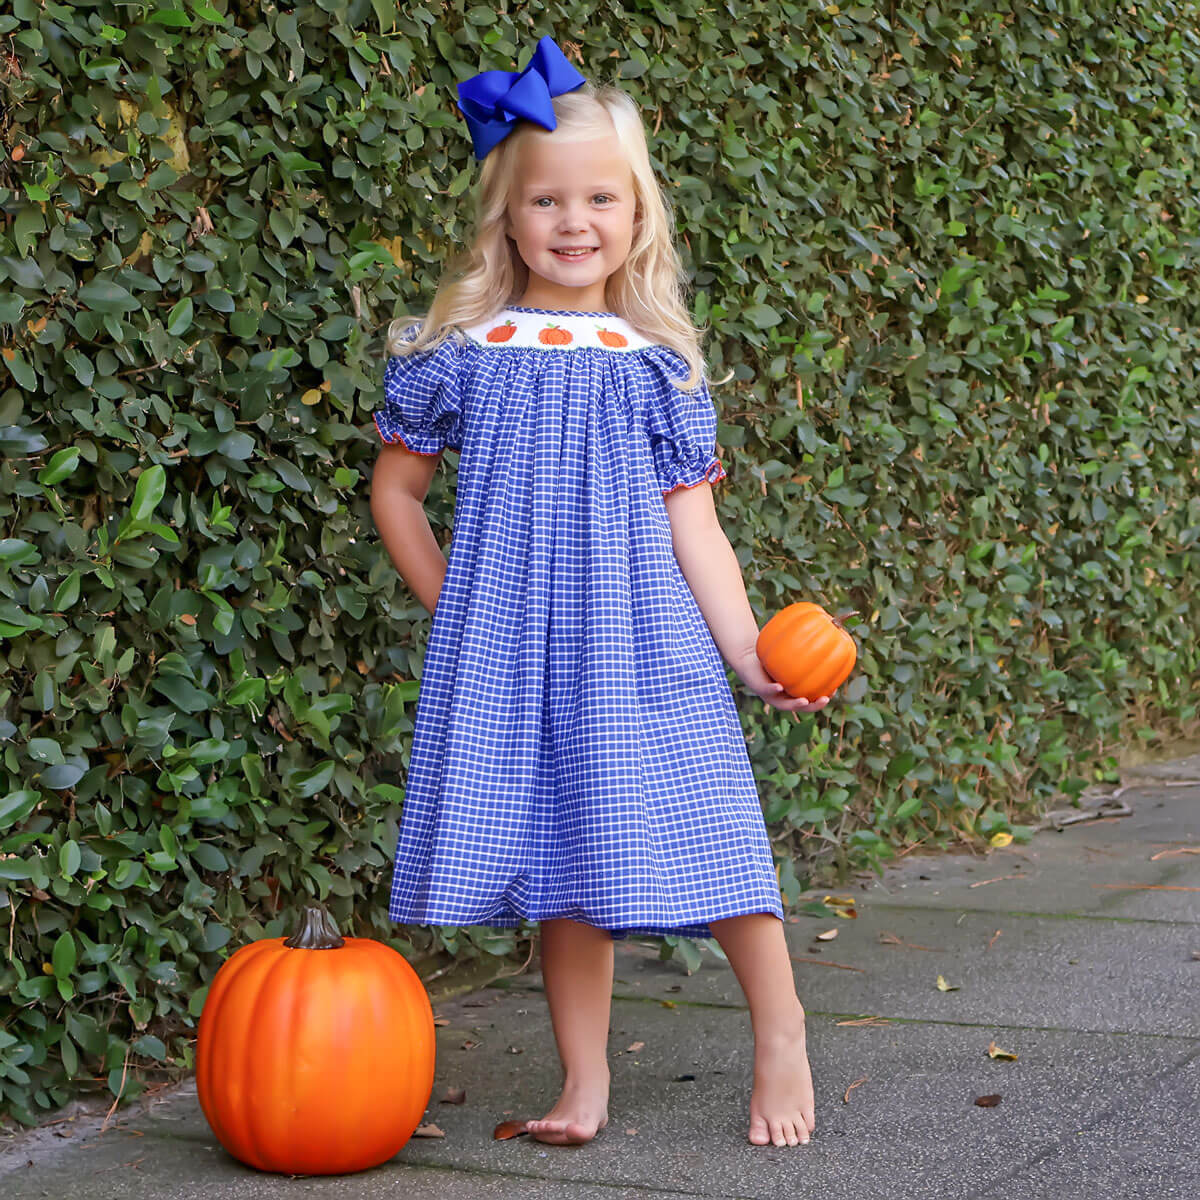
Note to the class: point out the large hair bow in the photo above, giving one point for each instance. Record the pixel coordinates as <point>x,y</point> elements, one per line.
<point>494,101</point>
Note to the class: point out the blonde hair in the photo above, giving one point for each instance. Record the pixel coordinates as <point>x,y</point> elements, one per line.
<point>647,290</point>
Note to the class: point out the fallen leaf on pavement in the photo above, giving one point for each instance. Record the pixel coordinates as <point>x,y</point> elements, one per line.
<point>843,906</point>
<point>1000,840</point>
<point>631,1132</point>
<point>454,1096</point>
<point>441,1020</point>
<point>993,938</point>
<point>429,1130</point>
<point>994,1051</point>
<point>635,1046</point>
<point>846,1097</point>
<point>508,1129</point>
<point>987,1101</point>
<point>943,986</point>
<point>827,936</point>
<point>469,1045</point>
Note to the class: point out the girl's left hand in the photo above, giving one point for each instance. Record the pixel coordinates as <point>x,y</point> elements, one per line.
<point>754,675</point>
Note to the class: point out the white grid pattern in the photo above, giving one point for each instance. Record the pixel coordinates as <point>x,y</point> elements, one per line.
<point>576,750</point>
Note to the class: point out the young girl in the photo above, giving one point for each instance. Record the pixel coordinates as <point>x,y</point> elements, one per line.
<point>577,758</point>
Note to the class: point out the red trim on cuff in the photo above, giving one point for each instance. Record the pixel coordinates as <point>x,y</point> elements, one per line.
<point>715,472</point>
<point>398,438</point>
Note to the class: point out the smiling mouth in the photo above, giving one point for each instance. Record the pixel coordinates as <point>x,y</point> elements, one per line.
<point>574,254</point>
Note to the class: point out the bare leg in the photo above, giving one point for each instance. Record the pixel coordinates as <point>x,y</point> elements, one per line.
<point>577,970</point>
<point>781,1106</point>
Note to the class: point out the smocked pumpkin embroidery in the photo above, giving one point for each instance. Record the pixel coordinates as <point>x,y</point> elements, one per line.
<point>555,335</point>
<point>501,333</point>
<point>610,337</point>
<point>514,328</point>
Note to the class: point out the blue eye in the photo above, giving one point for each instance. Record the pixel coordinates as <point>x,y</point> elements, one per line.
<point>538,201</point>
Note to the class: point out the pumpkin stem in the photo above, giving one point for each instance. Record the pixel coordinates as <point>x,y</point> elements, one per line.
<point>315,930</point>
<point>842,616</point>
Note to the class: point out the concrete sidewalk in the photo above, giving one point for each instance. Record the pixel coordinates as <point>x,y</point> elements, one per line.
<point>1094,985</point>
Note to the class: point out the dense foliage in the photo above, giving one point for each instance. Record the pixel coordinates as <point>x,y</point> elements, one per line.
<point>949,260</point>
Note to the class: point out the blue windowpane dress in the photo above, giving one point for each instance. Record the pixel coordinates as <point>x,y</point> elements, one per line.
<point>576,750</point>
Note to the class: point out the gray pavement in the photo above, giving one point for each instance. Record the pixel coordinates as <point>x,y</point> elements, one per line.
<point>1093,984</point>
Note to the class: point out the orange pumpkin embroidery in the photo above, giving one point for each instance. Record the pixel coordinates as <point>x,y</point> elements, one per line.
<point>552,335</point>
<point>610,337</point>
<point>501,333</point>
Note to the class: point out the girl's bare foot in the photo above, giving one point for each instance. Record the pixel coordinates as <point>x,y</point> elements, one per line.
<point>582,1109</point>
<point>781,1106</point>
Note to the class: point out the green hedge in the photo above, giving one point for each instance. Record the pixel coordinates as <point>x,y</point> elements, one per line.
<point>950,259</point>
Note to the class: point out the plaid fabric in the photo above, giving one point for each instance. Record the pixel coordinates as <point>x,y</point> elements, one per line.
<point>576,749</point>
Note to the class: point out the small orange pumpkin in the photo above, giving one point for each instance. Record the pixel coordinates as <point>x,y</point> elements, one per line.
<point>315,1054</point>
<point>807,650</point>
<point>554,335</point>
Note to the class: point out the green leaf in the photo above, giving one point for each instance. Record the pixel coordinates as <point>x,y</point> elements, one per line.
<point>17,552</point>
<point>209,857</point>
<point>215,936</point>
<point>763,316</point>
<point>61,466</point>
<point>175,18</point>
<point>294,162</point>
<point>45,750</point>
<point>12,306</point>
<point>309,783</point>
<point>149,1046</point>
<point>127,873</point>
<point>180,318</point>
<point>150,488</point>
<point>63,775</point>
<point>16,806</point>
<point>104,296</point>
<point>63,956</point>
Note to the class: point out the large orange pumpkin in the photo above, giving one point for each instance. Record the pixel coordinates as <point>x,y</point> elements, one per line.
<point>807,650</point>
<point>315,1053</point>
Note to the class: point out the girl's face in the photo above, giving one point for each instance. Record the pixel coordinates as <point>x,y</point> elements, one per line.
<point>571,195</point>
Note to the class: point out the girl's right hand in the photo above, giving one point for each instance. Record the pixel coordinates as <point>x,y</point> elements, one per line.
<point>754,675</point>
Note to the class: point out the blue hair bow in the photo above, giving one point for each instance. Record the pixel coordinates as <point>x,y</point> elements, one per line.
<point>494,101</point>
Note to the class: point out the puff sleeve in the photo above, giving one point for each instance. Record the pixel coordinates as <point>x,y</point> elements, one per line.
<point>681,426</point>
<point>422,398</point>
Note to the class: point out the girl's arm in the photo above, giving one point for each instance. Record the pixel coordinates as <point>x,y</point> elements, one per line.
<point>713,573</point>
<point>399,485</point>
